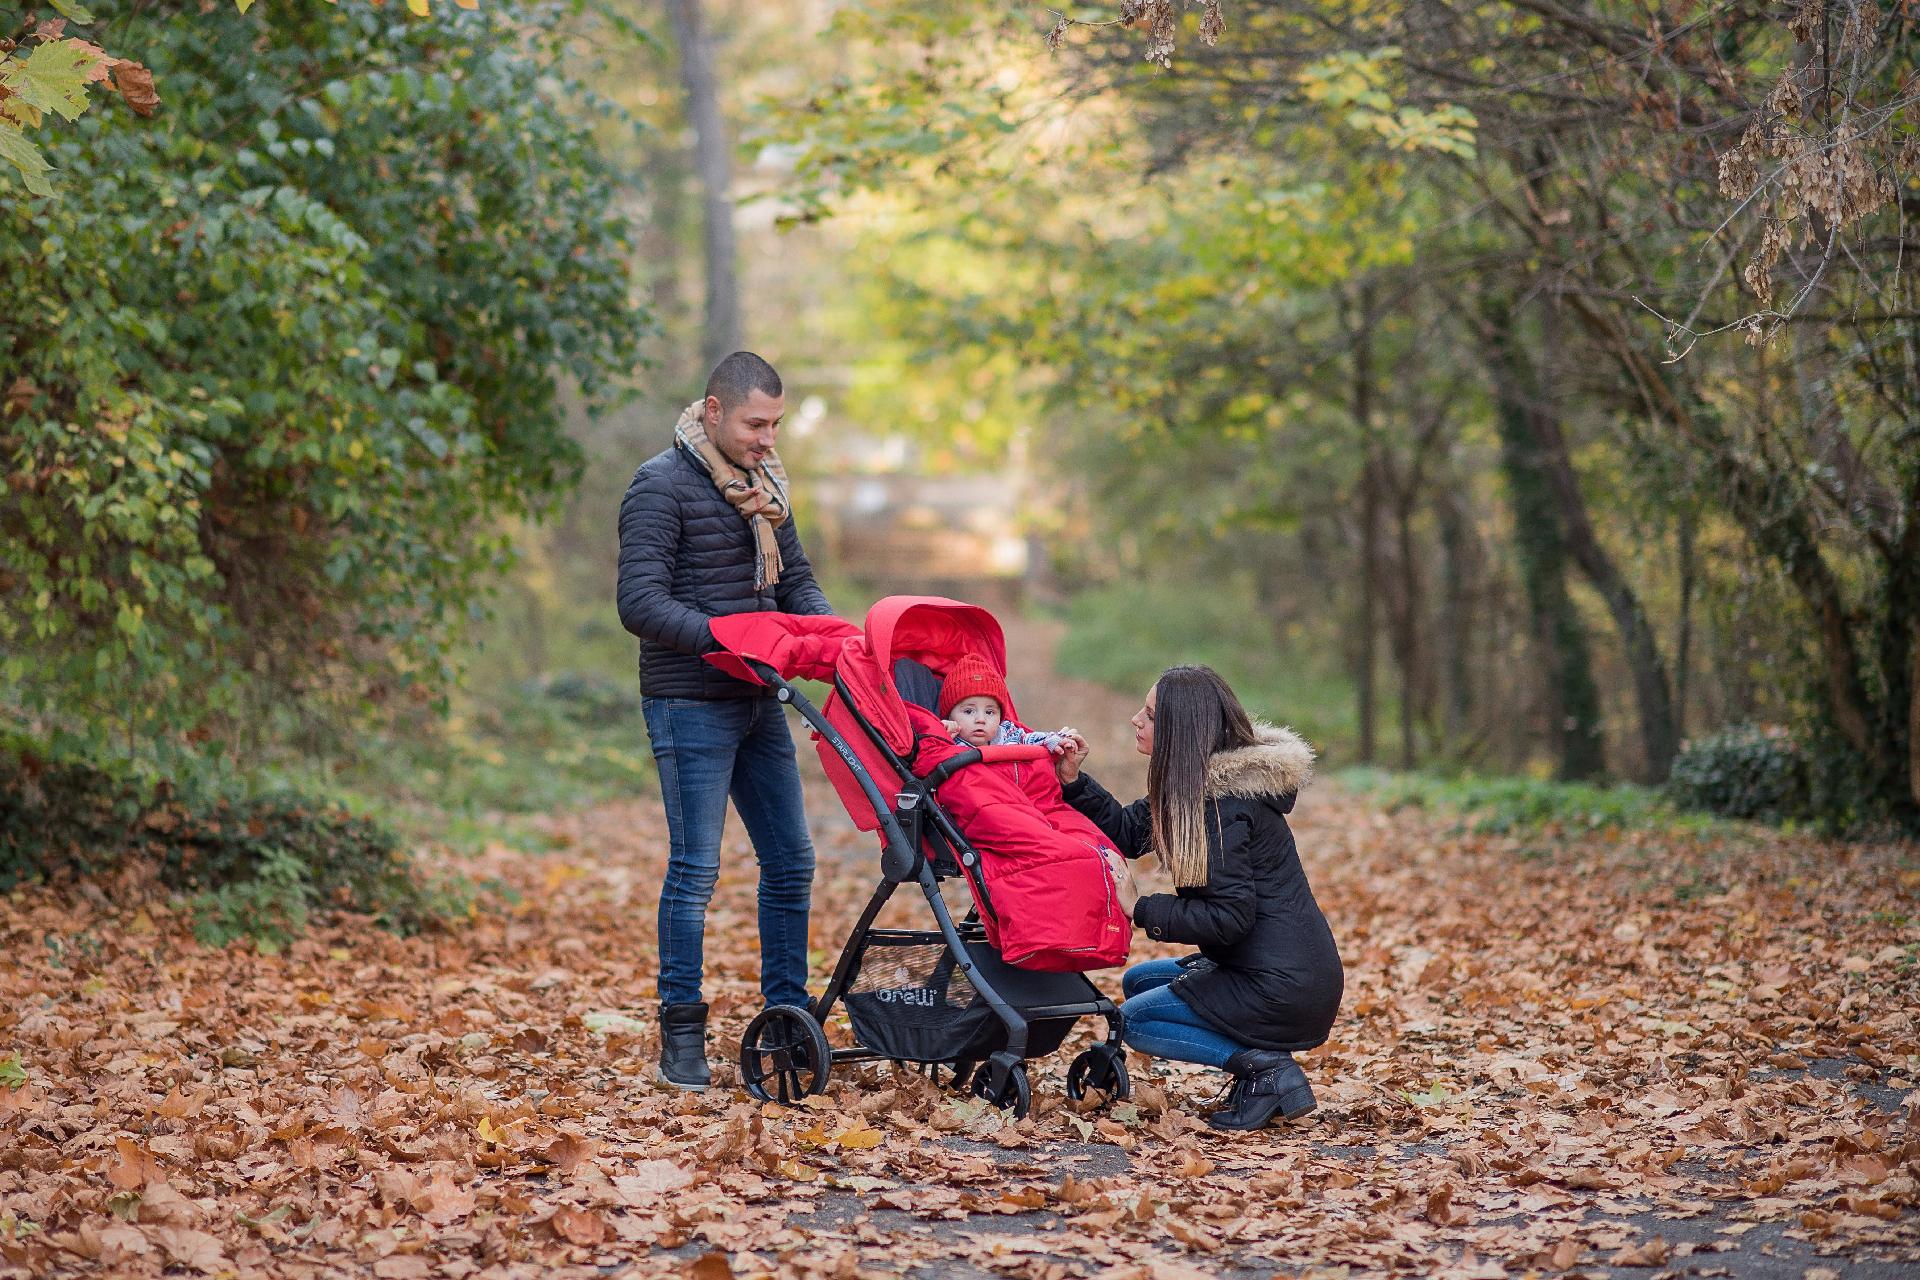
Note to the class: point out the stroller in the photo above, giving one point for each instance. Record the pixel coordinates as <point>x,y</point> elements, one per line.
<point>932,997</point>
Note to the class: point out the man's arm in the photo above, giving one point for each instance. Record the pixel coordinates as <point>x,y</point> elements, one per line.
<point>797,592</point>
<point>649,541</point>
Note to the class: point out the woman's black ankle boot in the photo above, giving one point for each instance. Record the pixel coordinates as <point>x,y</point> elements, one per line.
<point>1266,1083</point>
<point>683,1046</point>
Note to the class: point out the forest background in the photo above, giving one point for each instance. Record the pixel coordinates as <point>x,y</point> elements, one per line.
<point>1512,389</point>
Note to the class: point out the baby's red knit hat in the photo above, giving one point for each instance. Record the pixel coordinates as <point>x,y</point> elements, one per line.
<point>974,677</point>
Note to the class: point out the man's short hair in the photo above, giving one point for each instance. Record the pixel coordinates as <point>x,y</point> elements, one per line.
<point>739,376</point>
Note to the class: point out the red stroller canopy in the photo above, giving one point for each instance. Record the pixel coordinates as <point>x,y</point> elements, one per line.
<point>932,630</point>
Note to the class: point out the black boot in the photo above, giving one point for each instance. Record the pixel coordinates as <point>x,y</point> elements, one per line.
<point>1265,1082</point>
<point>683,1047</point>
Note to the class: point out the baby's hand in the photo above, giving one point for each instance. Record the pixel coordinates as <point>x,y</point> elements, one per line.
<point>953,730</point>
<point>1066,764</point>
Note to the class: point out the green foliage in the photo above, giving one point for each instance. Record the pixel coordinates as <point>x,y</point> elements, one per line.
<point>13,1073</point>
<point>1124,636</point>
<point>1742,772</point>
<point>42,69</point>
<point>280,357</point>
<point>1359,83</point>
<point>1498,806</point>
<point>521,749</point>
<point>51,78</point>
<point>1168,274</point>
<point>270,908</point>
<point>259,864</point>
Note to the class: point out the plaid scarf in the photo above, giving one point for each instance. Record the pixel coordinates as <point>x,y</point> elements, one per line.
<point>759,496</point>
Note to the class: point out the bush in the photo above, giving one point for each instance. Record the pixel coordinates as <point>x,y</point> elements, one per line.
<point>1742,772</point>
<point>1504,805</point>
<point>271,908</point>
<point>255,865</point>
<point>405,223</point>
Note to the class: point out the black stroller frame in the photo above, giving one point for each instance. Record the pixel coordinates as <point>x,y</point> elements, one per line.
<point>1015,1013</point>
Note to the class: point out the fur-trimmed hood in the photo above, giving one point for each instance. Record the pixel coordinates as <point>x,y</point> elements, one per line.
<point>1276,766</point>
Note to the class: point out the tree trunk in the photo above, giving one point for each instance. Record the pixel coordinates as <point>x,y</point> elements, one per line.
<point>1776,519</point>
<point>1574,698</point>
<point>1369,605</point>
<point>1362,409</point>
<point>1454,635</point>
<point>713,161</point>
<point>1651,692</point>
<point>1406,629</point>
<point>1913,720</point>
<point>1683,643</point>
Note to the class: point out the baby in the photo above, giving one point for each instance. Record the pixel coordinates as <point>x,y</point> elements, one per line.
<point>973,702</point>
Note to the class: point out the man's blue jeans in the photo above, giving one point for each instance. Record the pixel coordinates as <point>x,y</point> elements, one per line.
<point>707,751</point>
<point>1160,1023</point>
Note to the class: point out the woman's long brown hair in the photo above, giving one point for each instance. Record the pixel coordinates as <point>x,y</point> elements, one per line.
<point>1194,715</point>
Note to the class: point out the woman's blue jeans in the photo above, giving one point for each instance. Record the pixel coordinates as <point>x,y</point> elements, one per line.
<point>1160,1023</point>
<point>707,751</point>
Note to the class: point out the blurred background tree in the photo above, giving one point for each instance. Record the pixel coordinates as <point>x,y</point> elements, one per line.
<point>1519,387</point>
<point>1563,357</point>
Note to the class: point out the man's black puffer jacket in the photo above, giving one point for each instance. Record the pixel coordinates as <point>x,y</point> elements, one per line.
<point>686,556</point>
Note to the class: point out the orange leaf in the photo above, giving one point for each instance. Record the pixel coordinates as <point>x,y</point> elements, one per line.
<point>446,1201</point>
<point>579,1226</point>
<point>191,1248</point>
<point>136,1166</point>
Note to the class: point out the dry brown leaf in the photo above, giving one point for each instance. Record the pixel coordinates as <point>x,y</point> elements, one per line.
<point>579,1226</point>
<point>191,1248</point>
<point>135,84</point>
<point>446,1202</point>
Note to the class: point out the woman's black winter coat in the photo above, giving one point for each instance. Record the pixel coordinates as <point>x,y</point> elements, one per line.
<point>1275,980</point>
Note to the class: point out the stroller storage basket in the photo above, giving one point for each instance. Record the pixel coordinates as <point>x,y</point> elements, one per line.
<point>911,1000</point>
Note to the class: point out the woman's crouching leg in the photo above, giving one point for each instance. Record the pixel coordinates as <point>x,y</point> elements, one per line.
<point>1162,1025</point>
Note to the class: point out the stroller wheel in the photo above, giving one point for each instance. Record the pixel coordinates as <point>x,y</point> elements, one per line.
<point>1005,1087</point>
<point>1101,1070</point>
<point>784,1055</point>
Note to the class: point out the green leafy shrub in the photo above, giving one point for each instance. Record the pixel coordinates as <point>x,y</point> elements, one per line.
<point>1742,772</point>
<point>405,227</point>
<point>588,699</point>
<point>270,908</point>
<point>258,865</point>
<point>1502,805</point>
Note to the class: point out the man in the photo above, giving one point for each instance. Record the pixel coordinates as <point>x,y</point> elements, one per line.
<point>706,530</point>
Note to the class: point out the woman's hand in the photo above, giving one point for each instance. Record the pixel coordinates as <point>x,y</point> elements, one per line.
<point>1066,764</point>
<point>1123,886</point>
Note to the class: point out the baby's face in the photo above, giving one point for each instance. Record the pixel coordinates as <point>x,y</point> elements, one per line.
<point>978,718</point>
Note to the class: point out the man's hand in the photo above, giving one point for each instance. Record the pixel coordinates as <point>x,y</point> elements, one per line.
<point>1066,765</point>
<point>1124,887</point>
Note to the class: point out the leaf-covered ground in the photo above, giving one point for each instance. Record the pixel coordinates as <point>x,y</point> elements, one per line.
<point>1620,1052</point>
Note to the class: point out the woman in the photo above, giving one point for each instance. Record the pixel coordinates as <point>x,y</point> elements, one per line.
<point>1266,980</point>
